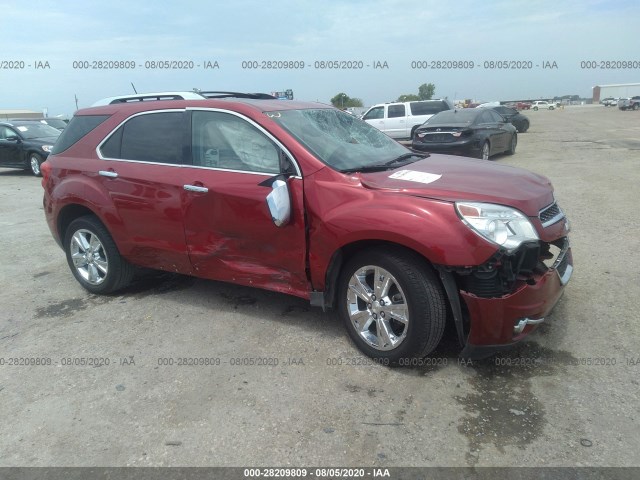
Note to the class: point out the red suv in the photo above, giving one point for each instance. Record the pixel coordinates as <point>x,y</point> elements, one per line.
<point>304,199</point>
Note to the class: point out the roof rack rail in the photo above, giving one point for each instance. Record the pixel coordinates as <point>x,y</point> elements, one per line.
<point>255,96</point>
<point>195,95</point>
<point>142,97</point>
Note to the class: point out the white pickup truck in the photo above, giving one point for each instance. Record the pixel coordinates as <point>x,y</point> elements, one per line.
<point>399,120</point>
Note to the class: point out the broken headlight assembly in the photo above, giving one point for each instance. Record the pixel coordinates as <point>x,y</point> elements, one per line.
<point>504,226</point>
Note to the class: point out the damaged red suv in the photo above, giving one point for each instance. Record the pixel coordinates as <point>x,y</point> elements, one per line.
<point>304,199</point>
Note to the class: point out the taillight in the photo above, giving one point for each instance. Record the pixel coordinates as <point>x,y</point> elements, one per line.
<point>45,169</point>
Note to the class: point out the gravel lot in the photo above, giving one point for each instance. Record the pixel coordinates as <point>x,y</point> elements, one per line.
<point>566,397</point>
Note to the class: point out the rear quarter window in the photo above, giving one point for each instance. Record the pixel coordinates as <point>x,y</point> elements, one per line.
<point>78,127</point>
<point>428,108</point>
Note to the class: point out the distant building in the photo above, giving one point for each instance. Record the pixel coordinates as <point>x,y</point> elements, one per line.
<point>619,90</point>
<point>8,114</point>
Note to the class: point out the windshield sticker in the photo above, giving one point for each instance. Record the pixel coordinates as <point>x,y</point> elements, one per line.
<point>22,129</point>
<point>414,176</point>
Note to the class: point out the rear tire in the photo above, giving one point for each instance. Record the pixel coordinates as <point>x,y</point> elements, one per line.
<point>512,145</point>
<point>392,305</point>
<point>93,257</point>
<point>485,152</point>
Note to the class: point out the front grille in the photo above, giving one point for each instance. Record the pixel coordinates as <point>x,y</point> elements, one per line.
<point>562,265</point>
<point>551,214</point>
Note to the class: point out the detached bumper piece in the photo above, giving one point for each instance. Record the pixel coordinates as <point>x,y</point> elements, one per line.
<point>510,295</point>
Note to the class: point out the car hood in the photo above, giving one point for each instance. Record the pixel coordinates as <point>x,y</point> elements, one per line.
<point>453,178</point>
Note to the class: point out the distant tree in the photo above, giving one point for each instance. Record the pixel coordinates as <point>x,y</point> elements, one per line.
<point>410,97</point>
<point>342,100</point>
<point>426,91</point>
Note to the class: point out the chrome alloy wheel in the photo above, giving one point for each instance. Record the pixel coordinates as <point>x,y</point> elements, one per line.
<point>377,308</point>
<point>89,257</point>
<point>35,165</point>
<point>485,151</point>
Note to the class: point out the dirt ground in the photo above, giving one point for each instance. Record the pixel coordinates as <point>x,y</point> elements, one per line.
<point>566,397</point>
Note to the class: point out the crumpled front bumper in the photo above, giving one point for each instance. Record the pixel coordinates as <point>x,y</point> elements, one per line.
<point>496,323</point>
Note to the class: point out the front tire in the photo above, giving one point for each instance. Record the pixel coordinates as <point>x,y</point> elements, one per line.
<point>392,305</point>
<point>93,257</point>
<point>35,161</point>
<point>535,109</point>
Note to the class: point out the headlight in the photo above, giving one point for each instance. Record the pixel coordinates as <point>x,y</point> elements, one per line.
<point>46,148</point>
<point>499,224</point>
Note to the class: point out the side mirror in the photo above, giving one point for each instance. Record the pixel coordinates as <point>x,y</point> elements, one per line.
<point>279,203</point>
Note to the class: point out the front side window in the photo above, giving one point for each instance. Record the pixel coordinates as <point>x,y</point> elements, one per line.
<point>6,132</point>
<point>374,114</point>
<point>223,140</point>
<point>153,137</point>
<point>396,111</point>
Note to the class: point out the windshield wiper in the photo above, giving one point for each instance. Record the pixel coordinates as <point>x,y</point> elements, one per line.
<point>405,157</point>
<point>387,165</point>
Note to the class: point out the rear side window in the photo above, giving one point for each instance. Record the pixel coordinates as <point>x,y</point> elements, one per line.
<point>428,108</point>
<point>396,111</point>
<point>153,137</point>
<point>78,127</point>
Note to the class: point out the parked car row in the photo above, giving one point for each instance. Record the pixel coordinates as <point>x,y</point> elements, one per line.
<point>400,119</point>
<point>632,103</point>
<point>609,102</point>
<point>289,197</point>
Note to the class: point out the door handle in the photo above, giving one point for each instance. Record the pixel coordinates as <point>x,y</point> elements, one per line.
<point>195,188</point>
<point>108,173</point>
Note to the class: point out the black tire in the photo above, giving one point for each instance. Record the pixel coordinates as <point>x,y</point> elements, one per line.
<point>535,109</point>
<point>486,145</point>
<point>635,106</point>
<point>35,161</point>
<point>525,127</point>
<point>413,288</point>
<point>512,144</point>
<point>552,107</point>
<point>118,273</point>
<point>413,130</point>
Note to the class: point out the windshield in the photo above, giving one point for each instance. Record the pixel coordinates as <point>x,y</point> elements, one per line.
<point>340,140</point>
<point>37,130</point>
<point>55,123</point>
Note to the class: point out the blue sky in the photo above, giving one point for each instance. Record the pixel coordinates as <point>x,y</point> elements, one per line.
<point>391,31</point>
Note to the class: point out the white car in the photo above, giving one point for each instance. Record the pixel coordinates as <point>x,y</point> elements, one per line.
<point>542,105</point>
<point>400,119</point>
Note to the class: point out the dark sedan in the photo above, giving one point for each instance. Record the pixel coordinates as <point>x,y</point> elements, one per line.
<point>478,132</point>
<point>514,117</point>
<point>26,144</point>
